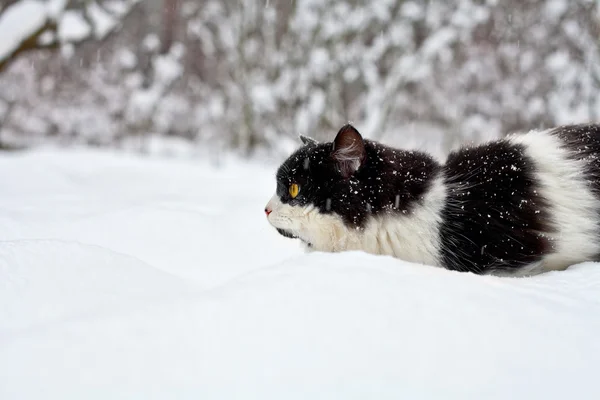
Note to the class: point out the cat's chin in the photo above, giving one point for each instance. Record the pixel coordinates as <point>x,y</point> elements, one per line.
<point>290,235</point>
<point>286,234</point>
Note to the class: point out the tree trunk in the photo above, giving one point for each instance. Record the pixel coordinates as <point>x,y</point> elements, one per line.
<point>170,13</point>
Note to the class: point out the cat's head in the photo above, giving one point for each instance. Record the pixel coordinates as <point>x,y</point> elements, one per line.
<point>311,198</point>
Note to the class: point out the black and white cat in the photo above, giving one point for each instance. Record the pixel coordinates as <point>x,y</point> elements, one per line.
<point>522,205</point>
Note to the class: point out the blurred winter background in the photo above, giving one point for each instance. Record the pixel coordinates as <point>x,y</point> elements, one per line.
<point>248,76</point>
<point>129,276</point>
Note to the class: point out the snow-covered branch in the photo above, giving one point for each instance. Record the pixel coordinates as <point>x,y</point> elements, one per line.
<point>28,25</point>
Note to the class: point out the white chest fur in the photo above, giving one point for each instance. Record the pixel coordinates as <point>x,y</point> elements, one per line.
<point>411,235</point>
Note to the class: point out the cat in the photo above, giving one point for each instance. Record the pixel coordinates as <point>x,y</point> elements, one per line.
<point>518,206</point>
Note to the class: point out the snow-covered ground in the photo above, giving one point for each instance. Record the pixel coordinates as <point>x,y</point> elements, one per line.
<point>130,278</point>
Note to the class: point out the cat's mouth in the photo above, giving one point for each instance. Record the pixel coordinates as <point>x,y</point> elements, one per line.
<point>290,235</point>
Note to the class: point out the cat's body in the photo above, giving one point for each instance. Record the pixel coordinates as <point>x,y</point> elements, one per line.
<point>522,205</point>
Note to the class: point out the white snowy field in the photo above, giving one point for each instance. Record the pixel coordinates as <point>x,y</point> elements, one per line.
<point>130,278</point>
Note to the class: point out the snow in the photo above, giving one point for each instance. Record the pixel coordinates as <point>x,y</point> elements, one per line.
<point>554,9</point>
<point>262,99</point>
<point>151,42</point>
<point>55,8</point>
<point>73,27</point>
<point>411,10</point>
<point>124,276</point>
<point>127,59</point>
<point>167,68</point>
<point>47,38</point>
<point>104,23</point>
<point>441,39</point>
<point>558,60</point>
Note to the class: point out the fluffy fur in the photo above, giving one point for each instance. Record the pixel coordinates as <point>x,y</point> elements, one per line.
<point>523,205</point>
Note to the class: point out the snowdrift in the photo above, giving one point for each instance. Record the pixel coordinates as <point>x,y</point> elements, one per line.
<point>129,278</point>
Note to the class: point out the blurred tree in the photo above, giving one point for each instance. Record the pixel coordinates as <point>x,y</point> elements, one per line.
<point>252,74</point>
<point>470,68</point>
<point>27,25</point>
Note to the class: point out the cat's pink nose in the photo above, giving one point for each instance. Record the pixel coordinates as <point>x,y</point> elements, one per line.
<point>268,211</point>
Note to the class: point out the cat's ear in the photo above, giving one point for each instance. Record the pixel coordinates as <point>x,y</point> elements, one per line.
<point>349,150</point>
<point>307,140</point>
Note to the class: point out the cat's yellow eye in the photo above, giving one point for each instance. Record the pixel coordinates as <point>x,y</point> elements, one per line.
<point>294,189</point>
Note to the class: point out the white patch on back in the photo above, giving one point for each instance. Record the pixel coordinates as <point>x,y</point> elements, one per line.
<point>573,208</point>
<point>409,235</point>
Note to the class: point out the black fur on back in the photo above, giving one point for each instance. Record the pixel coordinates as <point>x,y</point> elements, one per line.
<point>494,217</point>
<point>389,181</point>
